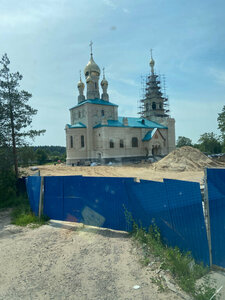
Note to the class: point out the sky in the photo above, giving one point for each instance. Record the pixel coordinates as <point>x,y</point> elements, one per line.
<point>47,41</point>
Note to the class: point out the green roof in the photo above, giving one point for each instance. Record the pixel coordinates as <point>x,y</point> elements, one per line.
<point>77,125</point>
<point>132,122</point>
<point>95,101</point>
<point>149,135</point>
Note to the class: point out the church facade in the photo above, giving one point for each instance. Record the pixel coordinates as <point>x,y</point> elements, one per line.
<point>97,133</point>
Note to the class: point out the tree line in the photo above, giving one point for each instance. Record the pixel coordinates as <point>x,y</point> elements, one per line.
<point>31,155</point>
<point>209,142</point>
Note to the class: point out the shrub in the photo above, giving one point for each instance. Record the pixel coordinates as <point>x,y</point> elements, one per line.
<point>7,188</point>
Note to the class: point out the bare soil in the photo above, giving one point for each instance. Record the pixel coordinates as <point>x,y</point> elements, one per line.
<point>186,159</point>
<point>140,171</point>
<point>65,260</point>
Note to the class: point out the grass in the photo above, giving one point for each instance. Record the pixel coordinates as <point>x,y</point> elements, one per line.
<point>21,214</point>
<point>158,282</point>
<point>182,266</point>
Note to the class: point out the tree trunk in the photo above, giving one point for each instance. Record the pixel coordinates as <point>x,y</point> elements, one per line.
<point>13,140</point>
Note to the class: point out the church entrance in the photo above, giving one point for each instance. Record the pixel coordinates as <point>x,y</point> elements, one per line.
<point>156,150</point>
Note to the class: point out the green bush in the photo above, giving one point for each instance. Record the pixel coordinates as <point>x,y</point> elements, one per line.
<point>7,188</point>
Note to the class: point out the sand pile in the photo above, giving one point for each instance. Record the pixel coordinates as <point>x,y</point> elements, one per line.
<point>185,159</point>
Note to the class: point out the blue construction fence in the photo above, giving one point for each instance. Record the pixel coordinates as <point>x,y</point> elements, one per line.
<point>215,179</point>
<point>174,206</point>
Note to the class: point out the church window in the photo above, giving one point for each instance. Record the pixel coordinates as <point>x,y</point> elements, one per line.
<point>160,105</point>
<point>79,114</point>
<point>134,142</point>
<point>95,85</point>
<point>103,113</point>
<point>121,144</point>
<point>86,74</point>
<point>82,141</point>
<point>147,107</point>
<point>153,105</point>
<point>71,142</point>
<point>111,144</point>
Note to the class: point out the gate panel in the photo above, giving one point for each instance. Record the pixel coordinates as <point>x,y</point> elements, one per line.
<point>216,199</point>
<point>185,204</point>
<point>148,205</point>
<point>96,201</point>
<point>53,197</point>
<point>33,186</point>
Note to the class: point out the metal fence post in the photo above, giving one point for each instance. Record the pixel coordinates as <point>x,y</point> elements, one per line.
<point>40,211</point>
<point>207,216</point>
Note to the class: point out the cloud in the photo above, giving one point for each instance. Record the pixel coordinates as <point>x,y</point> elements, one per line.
<point>129,82</point>
<point>126,11</point>
<point>219,75</point>
<point>120,79</point>
<point>127,105</point>
<point>26,13</point>
<point>193,118</point>
<point>110,3</point>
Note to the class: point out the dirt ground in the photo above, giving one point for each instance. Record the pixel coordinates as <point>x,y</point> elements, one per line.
<point>140,171</point>
<point>69,261</point>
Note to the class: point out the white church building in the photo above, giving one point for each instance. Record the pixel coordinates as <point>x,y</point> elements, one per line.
<point>97,133</point>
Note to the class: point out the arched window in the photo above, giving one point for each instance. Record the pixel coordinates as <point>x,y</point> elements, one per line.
<point>71,141</point>
<point>95,85</point>
<point>111,144</point>
<point>160,105</point>
<point>82,141</point>
<point>102,112</point>
<point>79,114</point>
<point>153,105</point>
<point>121,144</point>
<point>134,142</point>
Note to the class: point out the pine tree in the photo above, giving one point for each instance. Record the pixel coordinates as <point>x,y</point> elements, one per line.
<point>221,126</point>
<point>15,113</point>
<point>221,121</point>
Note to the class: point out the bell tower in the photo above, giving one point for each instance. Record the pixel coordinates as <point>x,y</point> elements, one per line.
<point>154,103</point>
<point>92,74</point>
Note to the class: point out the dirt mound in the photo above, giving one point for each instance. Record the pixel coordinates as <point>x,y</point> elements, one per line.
<point>185,159</point>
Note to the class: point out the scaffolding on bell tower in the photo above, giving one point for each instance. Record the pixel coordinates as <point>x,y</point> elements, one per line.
<point>154,101</point>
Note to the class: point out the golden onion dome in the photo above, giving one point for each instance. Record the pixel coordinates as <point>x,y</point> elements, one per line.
<point>80,84</point>
<point>152,62</point>
<point>104,82</point>
<point>91,67</point>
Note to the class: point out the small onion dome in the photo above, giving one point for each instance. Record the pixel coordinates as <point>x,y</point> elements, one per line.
<point>91,66</point>
<point>104,82</point>
<point>80,84</point>
<point>152,62</point>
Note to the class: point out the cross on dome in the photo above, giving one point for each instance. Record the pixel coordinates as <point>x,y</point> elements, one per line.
<point>91,43</point>
<point>152,63</point>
